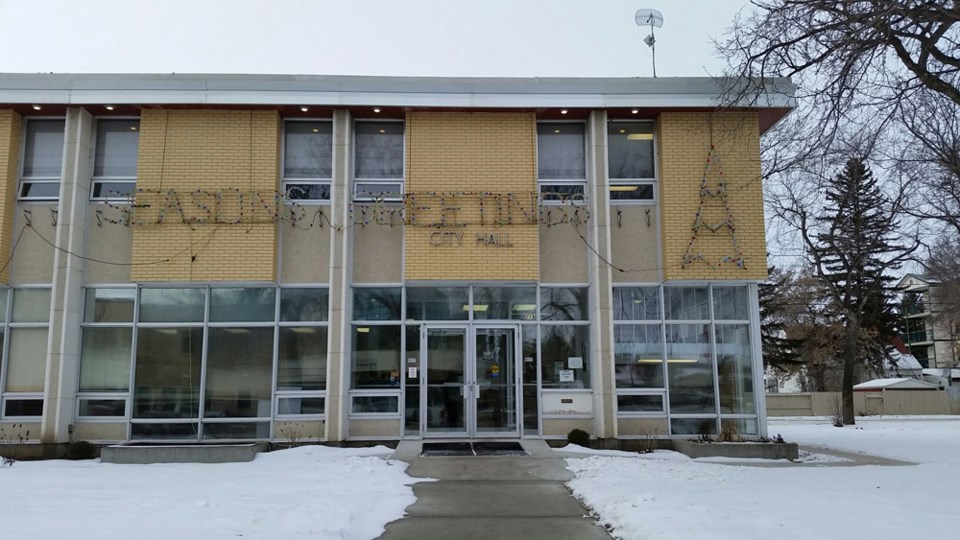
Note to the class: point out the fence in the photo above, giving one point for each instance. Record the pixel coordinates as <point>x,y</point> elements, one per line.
<point>864,403</point>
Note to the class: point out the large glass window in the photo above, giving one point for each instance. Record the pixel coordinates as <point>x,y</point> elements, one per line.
<point>307,160</point>
<point>376,304</point>
<point>690,368</point>
<point>630,161</point>
<point>686,303</point>
<point>378,160</point>
<point>167,381</point>
<point>438,303</point>
<point>563,304</point>
<point>175,338</point>
<point>376,356</point>
<point>636,303</point>
<point>24,341</point>
<point>500,303</point>
<point>735,369</point>
<point>638,355</point>
<point>40,171</point>
<point>564,355</point>
<point>115,158</point>
<point>561,162</point>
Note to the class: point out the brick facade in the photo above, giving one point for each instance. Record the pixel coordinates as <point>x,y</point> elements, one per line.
<point>494,153</point>
<point>11,129</point>
<point>231,152</point>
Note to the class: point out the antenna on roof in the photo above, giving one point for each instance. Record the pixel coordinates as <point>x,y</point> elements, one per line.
<point>651,18</point>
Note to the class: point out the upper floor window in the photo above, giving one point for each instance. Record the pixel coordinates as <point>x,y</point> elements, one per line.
<point>42,160</point>
<point>561,162</point>
<point>115,158</point>
<point>307,160</point>
<point>378,161</point>
<point>630,161</point>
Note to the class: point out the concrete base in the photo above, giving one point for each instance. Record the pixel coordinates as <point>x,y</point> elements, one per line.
<point>200,453</point>
<point>696,449</point>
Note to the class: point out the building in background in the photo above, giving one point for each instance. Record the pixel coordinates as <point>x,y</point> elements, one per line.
<point>931,332</point>
<point>212,258</point>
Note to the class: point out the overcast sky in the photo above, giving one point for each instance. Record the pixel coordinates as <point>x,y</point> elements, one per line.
<point>510,38</point>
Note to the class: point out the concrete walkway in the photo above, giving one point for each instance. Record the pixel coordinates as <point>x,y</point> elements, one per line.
<point>499,497</point>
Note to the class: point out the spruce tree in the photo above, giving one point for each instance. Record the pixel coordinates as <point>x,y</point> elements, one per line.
<point>854,241</point>
<point>779,351</point>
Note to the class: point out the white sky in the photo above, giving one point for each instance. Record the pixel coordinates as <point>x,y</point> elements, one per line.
<point>573,38</point>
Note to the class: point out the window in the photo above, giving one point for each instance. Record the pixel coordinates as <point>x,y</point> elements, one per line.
<point>630,151</point>
<point>42,160</point>
<point>378,161</point>
<point>561,162</point>
<point>204,359</point>
<point>307,160</point>
<point>115,159</point>
<point>25,337</point>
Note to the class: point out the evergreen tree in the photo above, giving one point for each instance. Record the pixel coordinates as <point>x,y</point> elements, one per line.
<point>779,351</point>
<point>853,241</point>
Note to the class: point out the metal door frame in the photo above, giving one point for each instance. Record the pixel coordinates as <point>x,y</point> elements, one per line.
<point>469,385</point>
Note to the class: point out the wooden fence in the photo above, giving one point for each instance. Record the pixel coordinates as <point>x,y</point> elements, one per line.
<point>864,403</point>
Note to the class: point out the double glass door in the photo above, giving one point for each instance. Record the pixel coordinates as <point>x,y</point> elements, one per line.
<point>469,381</point>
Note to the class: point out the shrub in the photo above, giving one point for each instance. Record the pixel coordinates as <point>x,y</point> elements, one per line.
<point>579,437</point>
<point>81,450</point>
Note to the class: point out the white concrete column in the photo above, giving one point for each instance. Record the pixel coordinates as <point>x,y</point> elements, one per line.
<point>338,335</point>
<point>63,345</point>
<point>601,316</point>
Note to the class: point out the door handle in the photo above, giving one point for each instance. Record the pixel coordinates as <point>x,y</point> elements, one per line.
<point>476,391</point>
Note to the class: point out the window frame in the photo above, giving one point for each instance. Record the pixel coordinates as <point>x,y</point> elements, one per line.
<point>569,182</point>
<point>7,325</point>
<point>613,183</point>
<point>394,196</point>
<point>103,180</point>
<point>205,324</point>
<point>319,181</point>
<point>31,180</point>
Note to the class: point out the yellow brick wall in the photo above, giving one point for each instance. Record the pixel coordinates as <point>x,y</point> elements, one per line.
<point>10,135</point>
<point>684,145</point>
<point>494,153</point>
<point>213,150</point>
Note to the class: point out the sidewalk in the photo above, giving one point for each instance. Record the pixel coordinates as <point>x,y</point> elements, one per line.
<point>501,497</point>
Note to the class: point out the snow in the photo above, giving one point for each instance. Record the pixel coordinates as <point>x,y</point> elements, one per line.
<point>895,383</point>
<point>311,492</point>
<point>824,496</point>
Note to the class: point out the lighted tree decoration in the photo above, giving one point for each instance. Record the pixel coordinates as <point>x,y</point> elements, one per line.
<point>713,192</point>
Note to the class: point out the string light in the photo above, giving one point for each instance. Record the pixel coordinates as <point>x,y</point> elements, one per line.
<point>708,194</point>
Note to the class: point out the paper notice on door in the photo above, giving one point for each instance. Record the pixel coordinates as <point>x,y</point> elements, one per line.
<point>528,359</point>
<point>566,375</point>
<point>412,360</point>
<point>411,372</point>
<point>575,362</point>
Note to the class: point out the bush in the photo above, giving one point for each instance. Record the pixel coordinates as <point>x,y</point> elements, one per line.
<point>579,437</point>
<point>81,450</point>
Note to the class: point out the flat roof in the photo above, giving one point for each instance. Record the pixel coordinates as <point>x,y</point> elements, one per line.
<point>334,90</point>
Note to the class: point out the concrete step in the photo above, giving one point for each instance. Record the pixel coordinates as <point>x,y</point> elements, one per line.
<point>186,453</point>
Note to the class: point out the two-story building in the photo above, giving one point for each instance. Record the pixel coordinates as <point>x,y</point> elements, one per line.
<point>211,258</point>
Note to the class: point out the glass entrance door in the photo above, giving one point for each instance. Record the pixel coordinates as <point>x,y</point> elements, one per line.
<point>495,368</point>
<point>446,385</point>
<point>469,382</point>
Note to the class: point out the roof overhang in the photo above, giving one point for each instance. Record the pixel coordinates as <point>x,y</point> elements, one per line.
<point>774,101</point>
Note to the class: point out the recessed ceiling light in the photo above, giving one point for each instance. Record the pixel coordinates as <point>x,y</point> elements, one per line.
<point>304,109</point>
<point>563,111</point>
<point>133,128</point>
<point>383,131</point>
<point>556,131</point>
<point>376,109</point>
<point>37,107</point>
<point>623,131</point>
<point>108,107</point>
<point>635,111</point>
<point>315,130</point>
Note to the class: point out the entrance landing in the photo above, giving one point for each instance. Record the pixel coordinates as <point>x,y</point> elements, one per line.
<point>492,496</point>
<point>474,448</point>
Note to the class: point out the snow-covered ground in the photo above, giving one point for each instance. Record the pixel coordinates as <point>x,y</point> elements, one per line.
<point>311,492</point>
<point>666,495</point>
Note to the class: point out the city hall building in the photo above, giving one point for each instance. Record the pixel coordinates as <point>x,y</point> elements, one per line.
<point>209,258</point>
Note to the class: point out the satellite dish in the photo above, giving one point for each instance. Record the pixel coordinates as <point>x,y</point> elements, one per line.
<point>649,17</point>
<point>653,19</point>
